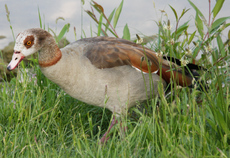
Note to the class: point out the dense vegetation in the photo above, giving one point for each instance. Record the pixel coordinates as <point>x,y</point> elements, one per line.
<point>37,119</point>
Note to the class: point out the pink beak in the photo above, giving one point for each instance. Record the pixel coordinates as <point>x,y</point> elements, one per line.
<point>16,59</point>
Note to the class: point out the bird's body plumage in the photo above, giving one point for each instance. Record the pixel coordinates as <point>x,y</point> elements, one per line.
<point>102,71</point>
<point>117,86</point>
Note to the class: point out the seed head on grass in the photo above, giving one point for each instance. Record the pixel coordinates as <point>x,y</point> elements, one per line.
<point>172,42</point>
<point>188,52</point>
<point>167,27</point>
<point>222,27</point>
<point>208,48</point>
<point>159,54</point>
<point>184,62</point>
<point>139,39</point>
<point>7,13</point>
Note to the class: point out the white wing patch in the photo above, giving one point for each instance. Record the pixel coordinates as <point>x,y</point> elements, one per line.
<point>143,71</point>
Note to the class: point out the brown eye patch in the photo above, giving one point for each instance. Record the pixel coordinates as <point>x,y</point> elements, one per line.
<point>29,41</point>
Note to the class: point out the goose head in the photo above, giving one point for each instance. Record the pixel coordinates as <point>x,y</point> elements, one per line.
<point>27,43</point>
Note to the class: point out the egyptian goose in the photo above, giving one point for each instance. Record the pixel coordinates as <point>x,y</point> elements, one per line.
<point>96,69</point>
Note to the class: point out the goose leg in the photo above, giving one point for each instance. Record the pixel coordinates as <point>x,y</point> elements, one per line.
<point>105,137</point>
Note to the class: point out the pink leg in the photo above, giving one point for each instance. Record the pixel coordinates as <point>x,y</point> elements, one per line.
<point>105,137</point>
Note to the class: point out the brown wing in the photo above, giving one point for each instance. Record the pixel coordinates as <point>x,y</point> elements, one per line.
<point>107,52</point>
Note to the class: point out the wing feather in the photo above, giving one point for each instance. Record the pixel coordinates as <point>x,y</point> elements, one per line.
<point>108,52</point>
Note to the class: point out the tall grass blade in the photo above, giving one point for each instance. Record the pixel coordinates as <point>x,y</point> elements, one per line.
<point>109,20</point>
<point>217,7</point>
<point>99,30</point>
<point>174,11</point>
<point>117,14</point>
<point>59,18</point>
<point>8,18</point>
<point>220,46</point>
<point>183,12</point>
<point>191,37</point>
<point>91,14</point>
<point>63,32</point>
<point>181,29</point>
<point>197,10</point>
<point>126,33</point>
<point>229,35</point>
<point>98,7</point>
<point>111,31</point>
<point>199,25</point>
<point>216,24</point>
<point>40,19</point>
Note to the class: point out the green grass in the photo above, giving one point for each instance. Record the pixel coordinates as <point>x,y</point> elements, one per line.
<point>40,120</point>
<point>37,119</point>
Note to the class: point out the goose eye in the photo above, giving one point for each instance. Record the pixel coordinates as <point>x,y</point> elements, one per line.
<point>28,43</point>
